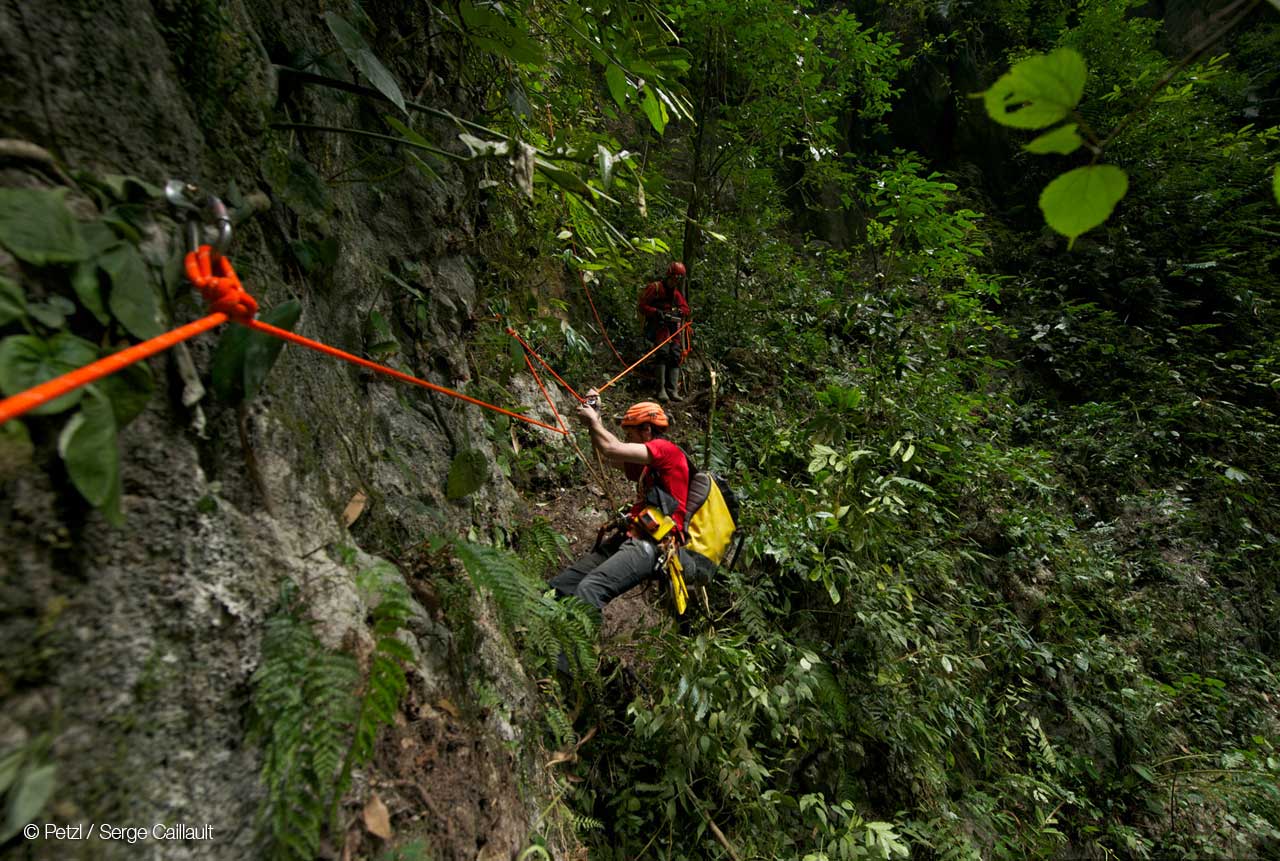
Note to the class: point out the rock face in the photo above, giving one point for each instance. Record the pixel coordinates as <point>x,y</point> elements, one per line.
<point>127,652</point>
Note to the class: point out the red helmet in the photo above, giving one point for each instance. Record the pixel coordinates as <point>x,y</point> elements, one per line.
<point>645,412</point>
<point>676,268</point>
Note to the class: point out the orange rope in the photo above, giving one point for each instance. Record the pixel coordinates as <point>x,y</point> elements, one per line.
<point>513,333</point>
<point>220,286</point>
<point>592,302</point>
<point>642,358</point>
<point>545,394</point>
<point>286,335</point>
<point>24,402</point>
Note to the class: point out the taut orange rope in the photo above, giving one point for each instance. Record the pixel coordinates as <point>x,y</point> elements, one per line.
<point>642,358</point>
<point>24,402</point>
<point>513,333</point>
<point>218,283</point>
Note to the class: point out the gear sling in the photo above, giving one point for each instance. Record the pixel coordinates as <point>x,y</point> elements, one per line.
<point>710,525</point>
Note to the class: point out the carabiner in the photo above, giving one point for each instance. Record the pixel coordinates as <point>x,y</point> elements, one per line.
<point>182,195</point>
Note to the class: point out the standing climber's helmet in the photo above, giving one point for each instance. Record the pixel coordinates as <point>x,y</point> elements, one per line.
<point>645,412</point>
<point>676,268</point>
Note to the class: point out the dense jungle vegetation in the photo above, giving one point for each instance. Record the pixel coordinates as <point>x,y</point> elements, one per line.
<point>1009,576</point>
<point>1009,580</point>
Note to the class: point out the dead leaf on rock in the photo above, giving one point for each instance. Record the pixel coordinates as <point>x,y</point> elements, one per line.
<point>449,707</point>
<point>354,508</point>
<point>376,818</point>
<point>562,756</point>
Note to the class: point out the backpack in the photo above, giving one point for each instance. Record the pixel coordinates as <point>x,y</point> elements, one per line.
<point>712,515</point>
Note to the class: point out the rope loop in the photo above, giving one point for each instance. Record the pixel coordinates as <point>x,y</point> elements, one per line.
<point>218,283</point>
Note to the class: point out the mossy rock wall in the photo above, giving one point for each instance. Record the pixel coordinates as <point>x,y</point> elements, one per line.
<point>131,648</point>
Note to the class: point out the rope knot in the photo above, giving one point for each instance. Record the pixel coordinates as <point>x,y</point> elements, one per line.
<point>221,290</point>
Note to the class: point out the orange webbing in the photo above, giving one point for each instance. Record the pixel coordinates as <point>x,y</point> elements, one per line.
<point>642,358</point>
<point>583,278</point>
<point>24,402</point>
<point>513,333</point>
<point>688,344</point>
<point>285,335</point>
<point>545,394</point>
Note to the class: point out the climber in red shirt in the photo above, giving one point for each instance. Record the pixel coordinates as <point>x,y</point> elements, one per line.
<point>661,470</point>
<point>663,307</point>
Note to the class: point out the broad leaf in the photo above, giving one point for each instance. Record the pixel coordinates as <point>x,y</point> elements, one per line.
<point>467,474</point>
<point>617,81</point>
<point>359,53</point>
<point>1039,91</point>
<point>38,228</point>
<point>53,312</point>
<point>27,361</point>
<point>130,390</point>
<point>316,254</point>
<point>654,109</point>
<point>10,763</point>
<point>605,160</point>
<point>133,299</point>
<point>84,280</point>
<point>88,447</point>
<point>262,349</point>
<point>28,799</point>
<point>1275,183</point>
<point>1083,198</point>
<point>243,357</point>
<point>13,305</point>
<point>227,368</point>
<point>1063,140</point>
<point>490,30</point>
<point>130,188</point>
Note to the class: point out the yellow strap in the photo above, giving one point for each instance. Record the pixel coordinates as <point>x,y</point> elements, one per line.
<point>679,591</point>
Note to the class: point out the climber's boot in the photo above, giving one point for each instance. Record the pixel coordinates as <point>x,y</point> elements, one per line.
<point>673,383</point>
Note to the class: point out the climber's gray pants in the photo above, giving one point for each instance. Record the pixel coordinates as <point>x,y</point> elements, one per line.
<point>604,574</point>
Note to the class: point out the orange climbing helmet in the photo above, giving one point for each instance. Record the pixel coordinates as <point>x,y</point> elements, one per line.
<point>645,412</point>
<point>676,268</point>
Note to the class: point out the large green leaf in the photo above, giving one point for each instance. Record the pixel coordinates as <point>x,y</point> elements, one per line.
<point>227,368</point>
<point>1039,91</point>
<point>11,761</point>
<point>1083,198</point>
<point>38,228</point>
<point>488,29</point>
<point>244,357</point>
<point>28,799</point>
<point>359,53</point>
<point>1063,140</point>
<point>617,81</point>
<point>130,389</point>
<point>13,305</point>
<point>27,361</point>
<point>88,447</point>
<point>467,474</point>
<point>84,280</point>
<point>133,299</point>
<point>653,108</point>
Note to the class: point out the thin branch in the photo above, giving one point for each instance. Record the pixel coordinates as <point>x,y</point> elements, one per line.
<point>375,135</point>
<point>369,92</point>
<point>1195,54</point>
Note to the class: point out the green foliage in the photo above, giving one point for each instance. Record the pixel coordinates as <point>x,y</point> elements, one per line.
<point>27,781</point>
<point>244,357</point>
<point>1081,199</point>
<point>61,296</point>
<point>317,717</point>
<point>1038,91</point>
<point>363,58</point>
<point>467,474</point>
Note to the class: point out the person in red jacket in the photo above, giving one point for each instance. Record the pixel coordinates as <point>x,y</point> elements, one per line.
<point>663,307</point>
<point>661,471</point>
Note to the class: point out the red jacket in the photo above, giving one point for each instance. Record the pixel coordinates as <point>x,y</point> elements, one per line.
<point>656,300</point>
